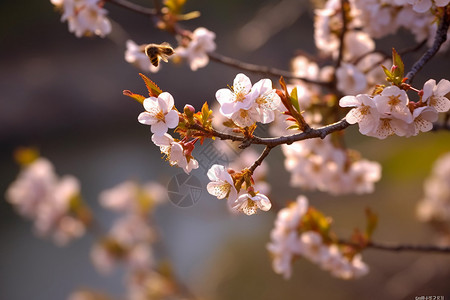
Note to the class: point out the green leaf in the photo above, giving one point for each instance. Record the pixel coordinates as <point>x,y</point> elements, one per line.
<point>294,99</point>
<point>153,89</point>
<point>205,113</point>
<point>398,62</point>
<point>387,72</point>
<point>137,97</point>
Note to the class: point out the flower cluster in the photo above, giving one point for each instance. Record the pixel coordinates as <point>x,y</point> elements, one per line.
<point>195,50</point>
<point>390,112</point>
<point>53,203</point>
<point>225,184</point>
<point>85,17</point>
<point>130,237</point>
<point>292,239</point>
<point>435,206</point>
<point>161,115</point>
<point>245,104</point>
<point>318,165</point>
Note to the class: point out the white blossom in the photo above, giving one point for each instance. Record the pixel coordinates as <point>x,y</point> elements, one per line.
<point>221,184</point>
<point>249,204</point>
<point>159,113</point>
<point>40,195</point>
<point>240,96</point>
<point>393,102</point>
<point>85,17</point>
<point>350,80</point>
<point>435,94</point>
<point>196,52</point>
<point>365,112</point>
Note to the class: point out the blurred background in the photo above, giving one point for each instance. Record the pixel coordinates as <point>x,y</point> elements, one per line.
<point>63,95</point>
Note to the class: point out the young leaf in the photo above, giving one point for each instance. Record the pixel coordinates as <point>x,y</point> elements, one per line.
<point>137,97</point>
<point>205,113</point>
<point>153,89</point>
<point>294,99</point>
<point>397,61</point>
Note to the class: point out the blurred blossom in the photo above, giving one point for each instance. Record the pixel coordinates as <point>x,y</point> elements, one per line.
<point>88,295</point>
<point>289,240</point>
<point>435,206</point>
<point>318,165</point>
<point>129,196</point>
<point>85,17</point>
<point>150,285</point>
<point>52,203</point>
<point>130,237</point>
<point>196,51</point>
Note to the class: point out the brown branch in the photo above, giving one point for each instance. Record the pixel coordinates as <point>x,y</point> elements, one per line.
<point>397,247</point>
<point>344,7</point>
<point>260,69</point>
<point>134,7</point>
<point>321,132</point>
<point>260,159</point>
<point>441,37</point>
<point>413,248</point>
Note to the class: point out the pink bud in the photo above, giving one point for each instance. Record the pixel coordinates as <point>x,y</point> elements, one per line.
<point>190,107</point>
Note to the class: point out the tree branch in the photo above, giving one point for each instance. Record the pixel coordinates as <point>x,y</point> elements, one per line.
<point>344,6</point>
<point>133,7</point>
<point>321,132</point>
<point>413,248</point>
<point>260,69</point>
<point>260,159</point>
<point>441,37</point>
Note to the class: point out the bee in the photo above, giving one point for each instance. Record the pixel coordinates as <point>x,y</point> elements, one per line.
<point>158,51</point>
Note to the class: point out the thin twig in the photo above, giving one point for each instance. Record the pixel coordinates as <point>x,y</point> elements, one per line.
<point>397,247</point>
<point>260,69</point>
<point>344,5</point>
<point>260,159</point>
<point>134,7</point>
<point>321,132</point>
<point>441,37</point>
<point>413,248</point>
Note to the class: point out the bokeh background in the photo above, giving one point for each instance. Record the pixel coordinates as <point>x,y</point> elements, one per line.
<point>64,95</point>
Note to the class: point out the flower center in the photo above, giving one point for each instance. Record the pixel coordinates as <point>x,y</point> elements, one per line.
<point>394,100</point>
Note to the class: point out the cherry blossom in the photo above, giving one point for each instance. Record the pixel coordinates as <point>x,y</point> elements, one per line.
<point>196,52</point>
<point>350,80</point>
<point>40,195</point>
<point>85,17</point>
<point>221,185</point>
<point>129,196</point>
<point>267,101</point>
<point>365,112</point>
<point>434,94</point>
<point>393,102</point>
<point>435,205</point>
<point>249,204</point>
<point>159,113</point>
<point>240,96</point>
<point>178,157</point>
